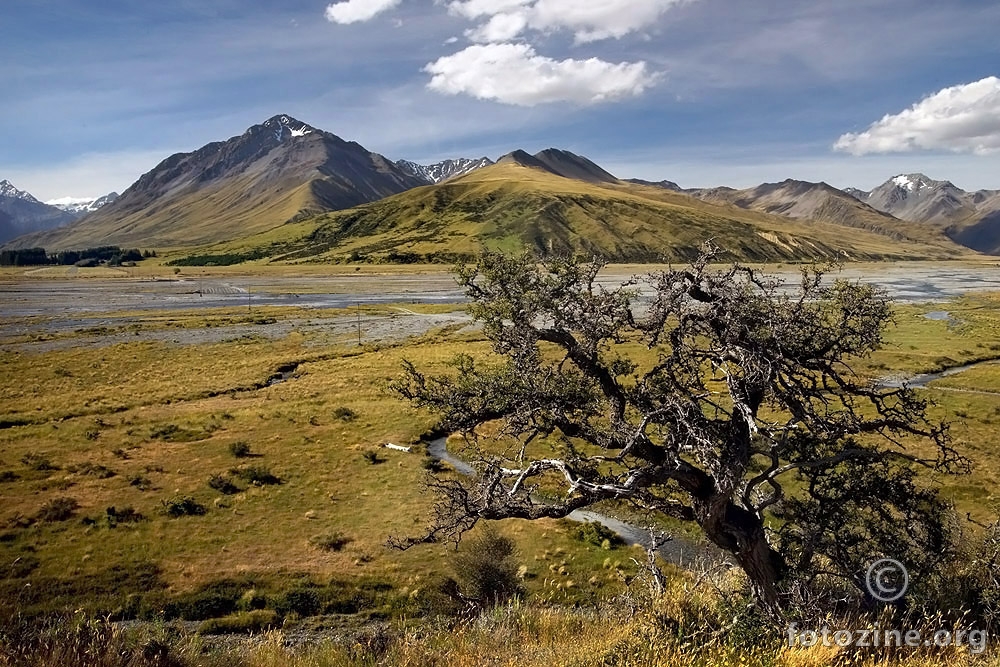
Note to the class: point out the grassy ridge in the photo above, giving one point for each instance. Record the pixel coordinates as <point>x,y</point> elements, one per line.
<point>509,207</point>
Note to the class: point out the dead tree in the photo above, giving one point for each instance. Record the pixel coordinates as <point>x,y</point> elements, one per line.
<point>741,384</point>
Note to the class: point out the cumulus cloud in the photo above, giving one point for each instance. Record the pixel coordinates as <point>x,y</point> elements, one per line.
<point>353,11</point>
<point>515,74</point>
<point>589,20</point>
<point>960,119</point>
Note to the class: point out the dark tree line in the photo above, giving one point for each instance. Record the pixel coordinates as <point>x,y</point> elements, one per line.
<point>112,255</point>
<point>743,416</point>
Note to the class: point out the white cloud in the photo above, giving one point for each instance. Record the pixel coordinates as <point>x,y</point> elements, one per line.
<point>85,176</point>
<point>352,11</point>
<point>959,119</point>
<point>515,74</point>
<point>500,28</point>
<point>589,20</point>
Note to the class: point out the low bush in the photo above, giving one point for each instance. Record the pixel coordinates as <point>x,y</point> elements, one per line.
<point>593,532</point>
<point>372,457</point>
<point>57,509</point>
<point>239,449</point>
<point>344,414</point>
<point>223,485</point>
<point>259,475</point>
<point>183,506</point>
<point>330,542</point>
<point>38,462</point>
<point>245,622</point>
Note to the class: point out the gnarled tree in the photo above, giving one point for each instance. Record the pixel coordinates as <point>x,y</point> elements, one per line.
<point>742,384</point>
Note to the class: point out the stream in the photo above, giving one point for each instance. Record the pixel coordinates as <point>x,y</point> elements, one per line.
<point>677,550</point>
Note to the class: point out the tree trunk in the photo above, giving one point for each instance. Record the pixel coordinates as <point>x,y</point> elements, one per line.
<point>742,534</point>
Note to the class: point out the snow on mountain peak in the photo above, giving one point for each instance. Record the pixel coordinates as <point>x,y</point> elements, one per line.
<point>904,182</point>
<point>280,124</point>
<point>82,205</point>
<point>442,171</point>
<point>7,189</point>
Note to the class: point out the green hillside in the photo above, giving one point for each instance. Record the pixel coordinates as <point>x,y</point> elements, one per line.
<point>511,207</point>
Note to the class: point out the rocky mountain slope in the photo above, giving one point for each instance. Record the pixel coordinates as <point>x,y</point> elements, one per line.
<point>275,172</point>
<point>442,171</point>
<point>21,213</point>
<point>970,218</point>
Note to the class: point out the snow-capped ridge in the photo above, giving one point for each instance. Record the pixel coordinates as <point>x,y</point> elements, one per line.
<point>7,189</point>
<point>82,205</point>
<point>442,171</point>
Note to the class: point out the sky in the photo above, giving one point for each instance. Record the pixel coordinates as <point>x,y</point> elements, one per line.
<point>701,92</point>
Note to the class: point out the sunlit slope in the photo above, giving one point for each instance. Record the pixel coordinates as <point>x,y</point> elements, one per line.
<point>512,207</point>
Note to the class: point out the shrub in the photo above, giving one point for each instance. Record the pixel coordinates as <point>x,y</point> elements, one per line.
<point>37,462</point>
<point>486,568</point>
<point>432,464</point>
<point>9,476</point>
<point>141,482</point>
<point>223,485</point>
<point>593,532</point>
<point>246,622</point>
<point>93,470</point>
<point>57,509</point>
<point>183,506</point>
<point>240,449</point>
<point>259,475</point>
<point>301,601</point>
<point>330,542</point>
<point>372,457</point>
<point>345,414</point>
<point>124,515</point>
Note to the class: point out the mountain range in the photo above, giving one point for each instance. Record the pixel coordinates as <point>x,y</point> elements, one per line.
<point>285,189</point>
<point>81,206</point>
<point>20,213</point>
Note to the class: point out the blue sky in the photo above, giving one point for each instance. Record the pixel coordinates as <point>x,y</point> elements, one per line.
<point>702,92</point>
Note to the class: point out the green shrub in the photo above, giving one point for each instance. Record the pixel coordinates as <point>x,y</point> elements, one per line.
<point>57,509</point>
<point>240,449</point>
<point>38,462</point>
<point>141,482</point>
<point>330,542</point>
<point>259,475</point>
<point>593,532</point>
<point>301,601</point>
<point>223,485</point>
<point>9,476</point>
<point>486,568</point>
<point>432,464</point>
<point>183,506</point>
<point>345,414</point>
<point>92,470</point>
<point>125,515</point>
<point>244,622</point>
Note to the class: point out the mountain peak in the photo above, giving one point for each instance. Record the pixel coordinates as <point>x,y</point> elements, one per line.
<point>283,126</point>
<point>7,189</point>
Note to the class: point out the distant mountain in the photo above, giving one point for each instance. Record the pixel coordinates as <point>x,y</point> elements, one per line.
<point>279,171</point>
<point>442,171</point>
<point>81,206</point>
<point>969,218</point>
<point>561,163</point>
<point>666,185</point>
<point>803,200</point>
<point>919,199</point>
<point>20,213</point>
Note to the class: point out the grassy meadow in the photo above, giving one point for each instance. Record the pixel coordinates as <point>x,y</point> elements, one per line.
<point>178,482</point>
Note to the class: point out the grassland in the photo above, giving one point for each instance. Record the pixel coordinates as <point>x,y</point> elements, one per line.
<point>100,444</point>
